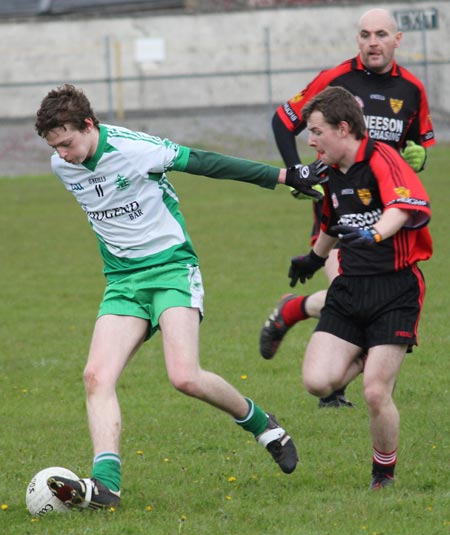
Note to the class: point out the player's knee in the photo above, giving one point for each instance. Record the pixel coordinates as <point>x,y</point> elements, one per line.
<point>89,379</point>
<point>95,381</point>
<point>185,383</point>
<point>375,395</point>
<point>317,386</point>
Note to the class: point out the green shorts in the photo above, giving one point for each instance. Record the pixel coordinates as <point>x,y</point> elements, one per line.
<point>146,294</point>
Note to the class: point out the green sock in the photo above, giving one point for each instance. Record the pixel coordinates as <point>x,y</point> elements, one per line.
<point>107,469</point>
<point>256,419</point>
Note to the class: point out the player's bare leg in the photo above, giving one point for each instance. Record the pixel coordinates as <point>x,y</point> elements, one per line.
<point>382,367</point>
<point>114,342</point>
<point>180,333</point>
<point>314,303</point>
<point>313,306</point>
<point>322,372</point>
<point>292,309</point>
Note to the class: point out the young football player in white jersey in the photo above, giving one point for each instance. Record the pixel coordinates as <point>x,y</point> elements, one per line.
<point>118,176</point>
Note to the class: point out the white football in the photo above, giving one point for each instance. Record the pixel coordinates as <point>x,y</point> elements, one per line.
<point>40,500</point>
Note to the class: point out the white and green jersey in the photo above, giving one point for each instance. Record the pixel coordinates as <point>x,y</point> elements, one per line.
<point>130,204</point>
<point>132,207</point>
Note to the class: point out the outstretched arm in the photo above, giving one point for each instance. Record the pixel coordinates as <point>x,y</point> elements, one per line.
<point>215,165</point>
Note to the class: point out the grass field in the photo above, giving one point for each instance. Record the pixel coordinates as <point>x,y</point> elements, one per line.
<point>187,468</point>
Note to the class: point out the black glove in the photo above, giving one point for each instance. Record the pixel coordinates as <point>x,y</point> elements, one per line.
<point>304,267</point>
<point>303,177</point>
<point>356,235</point>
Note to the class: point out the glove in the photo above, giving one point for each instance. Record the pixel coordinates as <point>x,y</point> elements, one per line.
<point>415,155</point>
<point>356,235</point>
<point>303,177</point>
<point>304,267</point>
<point>301,196</point>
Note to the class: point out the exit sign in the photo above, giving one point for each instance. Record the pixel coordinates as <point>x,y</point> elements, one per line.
<point>412,20</point>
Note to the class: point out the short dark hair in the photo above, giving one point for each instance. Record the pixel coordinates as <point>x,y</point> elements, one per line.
<point>64,105</point>
<point>337,104</point>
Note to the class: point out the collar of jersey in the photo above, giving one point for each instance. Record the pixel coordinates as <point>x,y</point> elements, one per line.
<point>364,150</point>
<point>91,163</point>
<point>359,66</point>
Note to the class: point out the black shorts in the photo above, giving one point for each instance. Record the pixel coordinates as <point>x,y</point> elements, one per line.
<point>374,310</point>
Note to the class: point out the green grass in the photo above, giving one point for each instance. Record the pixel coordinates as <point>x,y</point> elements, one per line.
<point>51,285</point>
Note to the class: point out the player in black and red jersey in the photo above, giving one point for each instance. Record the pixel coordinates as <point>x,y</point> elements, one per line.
<point>378,209</point>
<point>396,112</point>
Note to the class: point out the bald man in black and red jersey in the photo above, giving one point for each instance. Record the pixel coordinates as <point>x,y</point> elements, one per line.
<point>378,209</point>
<point>396,112</point>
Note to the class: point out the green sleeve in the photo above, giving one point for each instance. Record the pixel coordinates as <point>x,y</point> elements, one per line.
<point>215,165</point>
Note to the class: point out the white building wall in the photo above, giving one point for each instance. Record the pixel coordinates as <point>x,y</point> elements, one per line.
<point>43,54</point>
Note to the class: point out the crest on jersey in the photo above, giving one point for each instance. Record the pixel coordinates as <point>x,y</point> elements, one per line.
<point>396,104</point>
<point>364,196</point>
<point>402,192</point>
<point>297,97</point>
<point>122,182</point>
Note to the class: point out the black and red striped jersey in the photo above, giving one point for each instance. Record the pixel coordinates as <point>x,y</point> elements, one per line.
<point>378,180</point>
<point>394,104</point>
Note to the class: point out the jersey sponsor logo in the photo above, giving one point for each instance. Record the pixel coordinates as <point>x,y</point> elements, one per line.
<point>365,196</point>
<point>131,209</point>
<point>396,104</point>
<point>428,135</point>
<point>384,128</point>
<point>408,200</point>
<point>122,182</point>
<point>384,136</point>
<point>402,191</point>
<point>76,187</point>
<point>290,112</point>
<point>134,215</point>
<point>362,220</point>
<point>377,96</point>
